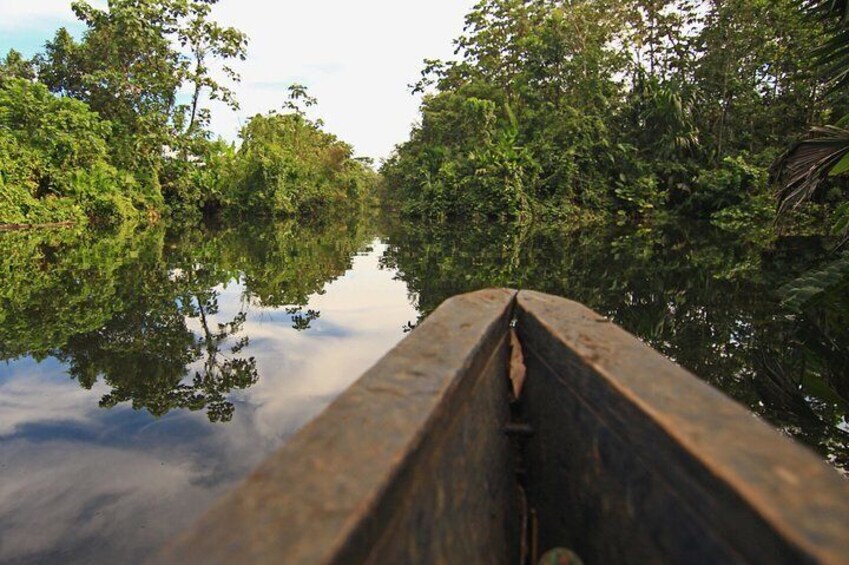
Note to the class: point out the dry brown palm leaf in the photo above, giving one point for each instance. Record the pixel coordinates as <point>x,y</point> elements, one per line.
<point>801,170</point>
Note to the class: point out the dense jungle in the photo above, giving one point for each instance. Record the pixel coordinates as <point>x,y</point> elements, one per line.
<point>174,304</point>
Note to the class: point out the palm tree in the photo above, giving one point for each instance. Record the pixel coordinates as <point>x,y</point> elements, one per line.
<point>823,153</point>
<point>825,150</point>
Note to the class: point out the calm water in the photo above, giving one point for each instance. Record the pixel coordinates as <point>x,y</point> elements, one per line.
<point>144,373</point>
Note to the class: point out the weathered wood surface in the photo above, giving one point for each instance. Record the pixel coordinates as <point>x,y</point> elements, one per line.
<point>634,460</point>
<point>410,465</point>
<point>631,459</point>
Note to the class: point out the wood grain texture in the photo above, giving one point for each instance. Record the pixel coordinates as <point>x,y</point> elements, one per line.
<point>410,465</point>
<point>635,460</point>
<point>629,458</point>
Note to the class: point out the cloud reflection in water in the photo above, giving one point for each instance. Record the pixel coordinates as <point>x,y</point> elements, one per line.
<point>85,484</point>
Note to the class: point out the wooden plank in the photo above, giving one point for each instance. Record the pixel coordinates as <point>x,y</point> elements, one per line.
<point>410,465</point>
<point>634,460</point>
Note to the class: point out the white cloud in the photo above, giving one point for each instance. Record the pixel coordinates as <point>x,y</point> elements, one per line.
<point>15,14</point>
<point>53,498</point>
<point>357,58</point>
<point>41,398</point>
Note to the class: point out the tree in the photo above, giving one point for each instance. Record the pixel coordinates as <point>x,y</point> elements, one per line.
<point>15,66</point>
<point>60,67</point>
<point>54,160</point>
<point>660,37</point>
<point>808,163</point>
<point>205,40</point>
<point>299,99</point>
<point>287,164</point>
<point>133,59</point>
<point>754,75</point>
<point>595,105</point>
<point>520,123</point>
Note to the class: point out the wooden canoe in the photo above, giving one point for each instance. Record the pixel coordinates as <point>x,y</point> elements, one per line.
<point>611,450</point>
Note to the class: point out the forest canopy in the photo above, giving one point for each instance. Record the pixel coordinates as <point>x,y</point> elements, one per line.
<point>113,126</point>
<point>642,107</point>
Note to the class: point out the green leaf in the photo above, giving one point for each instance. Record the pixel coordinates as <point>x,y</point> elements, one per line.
<point>841,167</point>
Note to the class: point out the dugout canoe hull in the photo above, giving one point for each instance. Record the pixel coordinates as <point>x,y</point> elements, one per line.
<point>611,450</point>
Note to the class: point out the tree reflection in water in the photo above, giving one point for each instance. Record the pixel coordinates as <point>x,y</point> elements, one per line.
<point>139,310</point>
<point>702,297</point>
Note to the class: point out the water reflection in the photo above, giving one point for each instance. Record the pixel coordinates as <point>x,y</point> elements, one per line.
<point>144,372</point>
<point>700,296</point>
<point>135,309</point>
<point>166,331</point>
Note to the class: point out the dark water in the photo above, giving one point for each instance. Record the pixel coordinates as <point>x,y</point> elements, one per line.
<point>143,373</point>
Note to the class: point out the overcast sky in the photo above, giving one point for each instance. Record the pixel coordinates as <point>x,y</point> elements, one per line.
<point>356,57</point>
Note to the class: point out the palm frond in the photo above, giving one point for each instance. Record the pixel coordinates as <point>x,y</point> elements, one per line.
<point>801,292</point>
<point>829,9</point>
<point>832,57</point>
<point>801,170</point>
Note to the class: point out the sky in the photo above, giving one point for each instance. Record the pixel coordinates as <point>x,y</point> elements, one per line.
<point>356,58</point>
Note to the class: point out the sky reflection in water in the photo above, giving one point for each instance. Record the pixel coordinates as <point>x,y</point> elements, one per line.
<point>235,337</point>
<point>84,484</point>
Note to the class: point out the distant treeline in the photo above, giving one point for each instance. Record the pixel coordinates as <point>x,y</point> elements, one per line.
<point>639,108</point>
<point>113,126</point>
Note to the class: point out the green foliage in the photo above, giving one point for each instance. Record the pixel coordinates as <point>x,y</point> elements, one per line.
<point>479,165</point>
<point>130,64</point>
<point>103,133</point>
<point>15,66</point>
<point>661,119</point>
<point>54,161</point>
<point>811,168</point>
<point>641,195</point>
<point>752,219</point>
<point>64,132</point>
<point>517,127</point>
<point>624,107</point>
<point>833,54</point>
<point>288,165</point>
<point>805,170</point>
<point>731,184</point>
<point>111,139</point>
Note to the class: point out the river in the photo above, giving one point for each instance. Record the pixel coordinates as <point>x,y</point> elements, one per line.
<point>145,371</point>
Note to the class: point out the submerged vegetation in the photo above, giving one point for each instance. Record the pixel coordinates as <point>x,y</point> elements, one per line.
<point>101,129</point>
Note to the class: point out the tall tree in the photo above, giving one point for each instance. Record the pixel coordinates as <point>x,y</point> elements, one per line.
<point>15,66</point>
<point>134,58</point>
<point>824,153</point>
<point>205,41</point>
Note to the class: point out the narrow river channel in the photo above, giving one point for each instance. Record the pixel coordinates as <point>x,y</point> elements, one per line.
<point>145,372</point>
